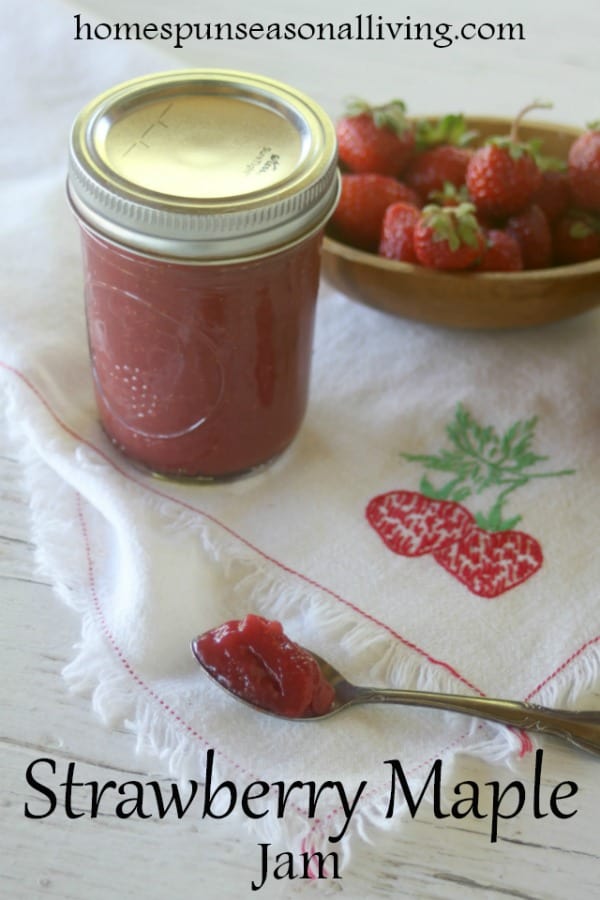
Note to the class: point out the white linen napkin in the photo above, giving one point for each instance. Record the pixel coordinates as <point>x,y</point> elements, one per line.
<point>388,589</point>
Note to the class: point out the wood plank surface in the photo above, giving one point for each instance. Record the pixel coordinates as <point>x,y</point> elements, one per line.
<point>57,858</point>
<point>106,857</point>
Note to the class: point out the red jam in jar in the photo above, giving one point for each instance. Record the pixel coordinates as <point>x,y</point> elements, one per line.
<point>256,660</point>
<point>202,196</point>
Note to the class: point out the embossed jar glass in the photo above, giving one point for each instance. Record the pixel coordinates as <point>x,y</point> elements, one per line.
<point>202,196</point>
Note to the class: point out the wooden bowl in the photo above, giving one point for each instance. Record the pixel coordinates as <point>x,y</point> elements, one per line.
<point>470,300</point>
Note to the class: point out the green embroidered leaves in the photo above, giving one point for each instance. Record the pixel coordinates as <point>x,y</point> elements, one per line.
<point>481,460</point>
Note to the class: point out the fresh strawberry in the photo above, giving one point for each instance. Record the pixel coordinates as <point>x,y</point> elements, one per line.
<point>397,233</point>
<point>502,252</point>
<point>432,170</point>
<point>503,175</point>
<point>451,196</point>
<point>411,524</point>
<point>448,237</point>
<point>489,563</point>
<point>584,169</point>
<point>363,201</point>
<point>531,230</point>
<point>375,139</point>
<point>576,237</point>
<point>553,195</point>
<point>501,181</point>
<point>449,129</point>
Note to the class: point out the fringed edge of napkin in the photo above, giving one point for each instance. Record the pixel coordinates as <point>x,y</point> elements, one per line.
<point>109,682</point>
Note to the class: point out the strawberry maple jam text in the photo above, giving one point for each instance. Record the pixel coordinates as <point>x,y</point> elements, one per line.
<point>58,787</point>
<point>253,658</point>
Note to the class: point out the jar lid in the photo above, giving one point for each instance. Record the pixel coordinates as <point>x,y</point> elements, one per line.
<point>203,164</point>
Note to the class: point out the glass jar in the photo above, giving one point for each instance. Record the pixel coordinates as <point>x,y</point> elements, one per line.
<point>202,196</point>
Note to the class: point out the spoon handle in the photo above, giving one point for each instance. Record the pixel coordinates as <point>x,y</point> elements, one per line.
<point>580,728</point>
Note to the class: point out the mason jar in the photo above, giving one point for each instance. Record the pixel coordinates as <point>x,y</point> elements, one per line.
<point>201,197</point>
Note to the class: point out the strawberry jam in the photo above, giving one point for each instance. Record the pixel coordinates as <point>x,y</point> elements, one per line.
<point>200,370</point>
<point>256,660</point>
<point>202,195</point>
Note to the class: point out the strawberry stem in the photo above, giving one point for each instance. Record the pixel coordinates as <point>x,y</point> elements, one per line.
<point>536,104</point>
<point>481,461</point>
<point>455,224</point>
<point>494,521</point>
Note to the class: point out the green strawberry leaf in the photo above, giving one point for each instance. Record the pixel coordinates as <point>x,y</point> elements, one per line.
<point>456,225</point>
<point>580,230</point>
<point>515,149</point>
<point>355,106</point>
<point>452,490</point>
<point>450,194</point>
<point>468,231</point>
<point>429,490</point>
<point>390,115</point>
<point>585,225</point>
<point>450,129</point>
<point>496,522</point>
<point>480,460</point>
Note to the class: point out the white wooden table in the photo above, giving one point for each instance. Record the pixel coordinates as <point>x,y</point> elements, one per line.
<point>149,859</point>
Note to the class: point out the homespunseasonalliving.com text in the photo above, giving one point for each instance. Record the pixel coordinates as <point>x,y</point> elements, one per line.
<point>362,27</point>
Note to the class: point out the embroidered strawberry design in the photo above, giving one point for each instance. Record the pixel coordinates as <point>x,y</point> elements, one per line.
<point>481,549</point>
<point>490,563</point>
<point>411,524</point>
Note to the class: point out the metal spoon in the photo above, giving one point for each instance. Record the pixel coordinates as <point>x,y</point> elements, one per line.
<point>581,728</point>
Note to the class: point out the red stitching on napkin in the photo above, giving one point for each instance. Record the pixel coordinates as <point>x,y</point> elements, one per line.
<point>117,649</point>
<point>526,744</point>
<point>318,823</point>
<point>483,550</point>
<point>563,666</point>
<point>306,579</point>
<point>36,391</point>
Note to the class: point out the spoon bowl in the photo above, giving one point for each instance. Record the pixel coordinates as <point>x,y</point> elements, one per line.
<point>580,728</point>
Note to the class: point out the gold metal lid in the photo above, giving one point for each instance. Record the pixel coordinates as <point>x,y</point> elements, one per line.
<point>203,164</point>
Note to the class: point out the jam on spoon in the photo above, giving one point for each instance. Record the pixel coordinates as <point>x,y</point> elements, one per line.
<point>254,659</point>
